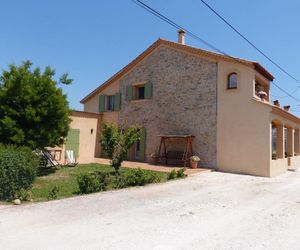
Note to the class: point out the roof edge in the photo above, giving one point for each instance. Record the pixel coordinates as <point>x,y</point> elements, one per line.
<point>124,69</point>
<point>259,68</point>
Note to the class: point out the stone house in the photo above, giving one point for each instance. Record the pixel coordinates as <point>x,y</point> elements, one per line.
<point>175,89</point>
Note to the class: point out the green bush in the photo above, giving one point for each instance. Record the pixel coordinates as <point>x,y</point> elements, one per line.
<point>103,178</point>
<point>136,177</point>
<point>53,192</point>
<point>172,175</point>
<point>176,174</point>
<point>87,183</point>
<point>18,169</point>
<point>23,195</point>
<point>180,173</point>
<point>93,182</point>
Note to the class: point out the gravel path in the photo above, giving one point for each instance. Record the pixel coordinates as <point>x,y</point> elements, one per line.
<point>207,211</point>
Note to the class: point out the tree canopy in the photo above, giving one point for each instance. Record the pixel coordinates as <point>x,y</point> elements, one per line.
<point>116,140</point>
<point>34,111</point>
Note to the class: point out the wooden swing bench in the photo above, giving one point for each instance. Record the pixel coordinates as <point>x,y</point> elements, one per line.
<point>183,156</point>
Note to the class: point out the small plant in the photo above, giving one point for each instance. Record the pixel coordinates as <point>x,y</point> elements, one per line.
<point>195,158</point>
<point>103,179</point>
<point>53,192</point>
<point>172,175</point>
<point>23,195</point>
<point>93,182</point>
<point>121,182</point>
<point>88,183</point>
<point>136,177</point>
<point>180,173</point>
<point>117,140</point>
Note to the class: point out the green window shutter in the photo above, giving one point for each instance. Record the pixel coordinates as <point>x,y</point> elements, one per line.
<point>72,141</point>
<point>101,103</point>
<point>148,90</point>
<point>117,102</point>
<point>142,145</point>
<point>129,93</point>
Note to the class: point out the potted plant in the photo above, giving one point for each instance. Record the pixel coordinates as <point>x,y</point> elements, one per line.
<point>194,161</point>
<point>155,158</point>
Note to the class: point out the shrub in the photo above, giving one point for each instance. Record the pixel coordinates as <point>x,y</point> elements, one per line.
<point>117,140</point>
<point>121,182</point>
<point>93,182</point>
<point>87,183</point>
<point>172,175</point>
<point>180,173</point>
<point>103,178</point>
<point>18,169</point>
<point>23,195</point>
<point>136,177</point>
<point>53,192</point>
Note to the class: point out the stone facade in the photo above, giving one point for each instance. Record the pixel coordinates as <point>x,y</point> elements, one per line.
<point>184,101</point>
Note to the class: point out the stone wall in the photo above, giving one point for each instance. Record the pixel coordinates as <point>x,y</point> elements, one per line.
<point>183,101</point>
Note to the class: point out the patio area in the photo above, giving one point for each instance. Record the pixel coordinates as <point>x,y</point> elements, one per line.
<point>147,166</point>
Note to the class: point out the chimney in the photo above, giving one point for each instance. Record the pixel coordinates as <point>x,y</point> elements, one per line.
<point>181,37</point>
<point>276,103</point>
<point>286,108</point>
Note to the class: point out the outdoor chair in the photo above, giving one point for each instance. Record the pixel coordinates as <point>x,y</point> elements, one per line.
<point>71,159</point>
<point>49,160</point>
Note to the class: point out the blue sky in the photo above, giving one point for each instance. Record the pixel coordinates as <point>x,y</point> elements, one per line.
<point>93,39</point>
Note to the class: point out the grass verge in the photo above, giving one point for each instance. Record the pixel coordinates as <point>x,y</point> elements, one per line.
<point>65,180</point>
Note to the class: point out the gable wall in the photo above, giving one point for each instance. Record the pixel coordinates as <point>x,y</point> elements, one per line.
<point>183,101</point>
<point>92,105</point>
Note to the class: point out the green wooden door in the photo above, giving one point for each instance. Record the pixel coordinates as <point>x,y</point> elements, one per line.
<point>140,146</point>
<point>72,141</point>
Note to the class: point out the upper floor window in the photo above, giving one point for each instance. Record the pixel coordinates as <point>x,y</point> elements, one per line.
<point>109,103</point>
<point>139,92</point>
<point>232,81</point>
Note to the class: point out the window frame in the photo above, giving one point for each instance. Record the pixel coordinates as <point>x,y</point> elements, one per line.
<point>228,80</point>
<point>112,104</point>
<point>136,93</point>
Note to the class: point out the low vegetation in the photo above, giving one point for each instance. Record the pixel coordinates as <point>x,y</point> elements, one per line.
<point>18,169</point>
<point>176,174</point>
<point>88,178</point>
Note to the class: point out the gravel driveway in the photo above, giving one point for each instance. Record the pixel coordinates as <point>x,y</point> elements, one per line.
<point>208,211</point>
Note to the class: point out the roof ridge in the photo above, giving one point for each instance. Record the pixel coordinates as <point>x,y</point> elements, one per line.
<point>209,51</point>
<point>259,68</point>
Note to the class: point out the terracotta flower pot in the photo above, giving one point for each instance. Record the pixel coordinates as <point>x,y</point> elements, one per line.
<point>194,164</point>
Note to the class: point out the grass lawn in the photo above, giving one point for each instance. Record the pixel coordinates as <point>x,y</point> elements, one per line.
<point>65,180</point>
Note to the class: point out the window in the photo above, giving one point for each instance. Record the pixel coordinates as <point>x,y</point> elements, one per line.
<point>139,92</point>
<point>232,81</point>
<point>109,103</point>
<point>261,90</point>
